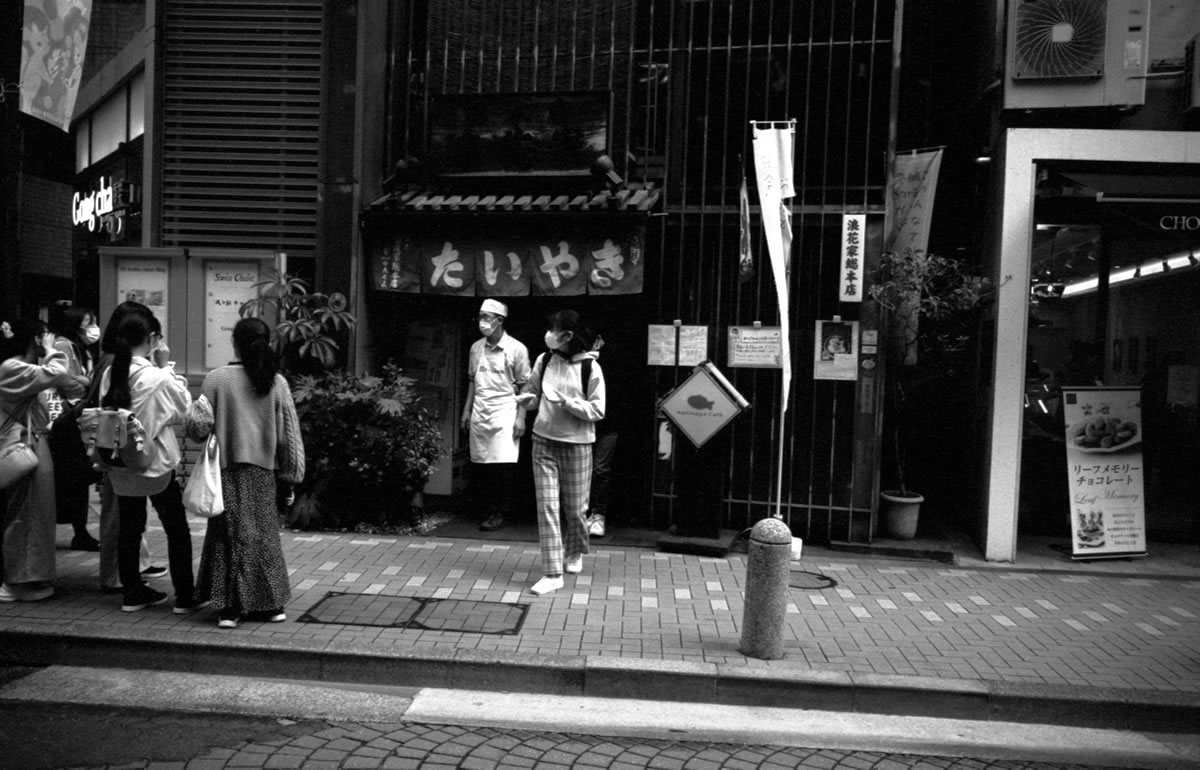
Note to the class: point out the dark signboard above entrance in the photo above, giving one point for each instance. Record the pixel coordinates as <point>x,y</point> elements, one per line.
<point>563,259</point>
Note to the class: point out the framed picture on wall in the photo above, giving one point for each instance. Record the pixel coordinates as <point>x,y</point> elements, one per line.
<point>1116,355</point>
<point>1133,353</point>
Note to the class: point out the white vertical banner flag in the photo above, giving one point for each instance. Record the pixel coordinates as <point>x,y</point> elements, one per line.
<point>910,195</point>
<point>773,153</point>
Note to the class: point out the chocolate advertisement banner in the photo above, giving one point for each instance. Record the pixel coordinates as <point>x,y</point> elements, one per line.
<point>1105,471</point>
<point>565,260</point>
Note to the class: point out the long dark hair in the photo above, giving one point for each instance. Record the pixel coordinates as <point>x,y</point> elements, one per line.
<point>132,332</point>
<point>122,311</point>
<point>569,321</point>
<point>252,342</point>
<point>66,321</point>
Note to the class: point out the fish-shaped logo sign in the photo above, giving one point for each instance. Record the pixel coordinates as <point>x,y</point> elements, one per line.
<point>698,401</point>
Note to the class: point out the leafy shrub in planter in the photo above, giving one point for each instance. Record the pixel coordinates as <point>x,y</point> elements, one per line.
<point>370,447</point>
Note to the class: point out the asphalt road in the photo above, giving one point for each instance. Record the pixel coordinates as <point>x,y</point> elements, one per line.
<point>64,717</point>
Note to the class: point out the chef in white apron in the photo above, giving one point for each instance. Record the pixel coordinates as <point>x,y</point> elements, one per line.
<point>497,367</point>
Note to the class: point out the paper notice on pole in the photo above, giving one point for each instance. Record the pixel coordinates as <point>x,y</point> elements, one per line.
<point>661,348</point>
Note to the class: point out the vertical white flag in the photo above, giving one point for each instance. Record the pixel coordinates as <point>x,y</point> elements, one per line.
<point>773,148</point>
<point>909,209</point>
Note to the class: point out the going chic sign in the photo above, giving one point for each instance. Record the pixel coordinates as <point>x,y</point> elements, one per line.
<point>90,208</point>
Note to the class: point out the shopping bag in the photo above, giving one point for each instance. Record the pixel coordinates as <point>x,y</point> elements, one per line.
<point>202,496</point>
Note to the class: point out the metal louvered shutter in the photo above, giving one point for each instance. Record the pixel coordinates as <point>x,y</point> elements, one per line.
<point>241,124</point>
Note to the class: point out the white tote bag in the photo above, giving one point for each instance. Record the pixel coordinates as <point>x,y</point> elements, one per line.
<point>202,496</point>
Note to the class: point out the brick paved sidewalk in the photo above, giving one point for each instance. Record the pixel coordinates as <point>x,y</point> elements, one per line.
<point>848,613</point>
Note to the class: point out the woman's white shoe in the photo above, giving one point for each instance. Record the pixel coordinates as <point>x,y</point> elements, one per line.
<point>574,564</point>
<point>546,585</point>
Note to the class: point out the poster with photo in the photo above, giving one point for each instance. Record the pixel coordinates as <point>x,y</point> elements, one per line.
<point>835,350</point>
<point>1105,471</point>
<point>146,281</point>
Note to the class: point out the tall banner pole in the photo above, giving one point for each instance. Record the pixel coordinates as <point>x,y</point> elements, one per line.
<point>773,161</point>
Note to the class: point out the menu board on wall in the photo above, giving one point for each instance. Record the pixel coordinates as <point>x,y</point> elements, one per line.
<point>1105,471</point>
<point>756,346</point>
<point>227,286</point>
<point>146,281</point>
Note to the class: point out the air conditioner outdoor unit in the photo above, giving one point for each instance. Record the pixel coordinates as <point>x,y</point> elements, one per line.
<point>1076,53</point>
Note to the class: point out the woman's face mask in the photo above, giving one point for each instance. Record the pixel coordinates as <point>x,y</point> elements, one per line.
<point>91,334</point>
<point>555,340</point>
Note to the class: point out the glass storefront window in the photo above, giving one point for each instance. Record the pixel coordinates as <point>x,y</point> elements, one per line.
<point>109,125</point>
<point>83,138</point>
<point>137,106</point>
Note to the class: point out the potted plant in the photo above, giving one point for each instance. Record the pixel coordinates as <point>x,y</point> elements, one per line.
<point>370,447</point>
<point>310,327</point>
<point>926,301</point>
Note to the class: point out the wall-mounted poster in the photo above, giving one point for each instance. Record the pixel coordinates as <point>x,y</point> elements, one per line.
<point>1105,471</point>
<point>663,349</point>
<point>756,346</point>
<point>835,350</point>
<point>146,281</point>
<point>227,286</point>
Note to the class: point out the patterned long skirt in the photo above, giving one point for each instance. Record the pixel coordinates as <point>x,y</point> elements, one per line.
<point>241,565</point>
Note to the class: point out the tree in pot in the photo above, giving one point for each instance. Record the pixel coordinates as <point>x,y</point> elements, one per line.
<point>927,302</point>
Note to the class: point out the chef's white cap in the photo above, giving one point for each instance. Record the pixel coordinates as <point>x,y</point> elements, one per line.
<point>494,307</point>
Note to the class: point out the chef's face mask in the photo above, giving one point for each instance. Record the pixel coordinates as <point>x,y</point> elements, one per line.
<point>488,325</point>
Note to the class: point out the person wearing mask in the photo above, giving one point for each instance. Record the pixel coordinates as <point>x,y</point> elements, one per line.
<point>567,389</point>
<point>110,517</point>
<point>30,367</point>
<point>242,568</point>
<point>76,336</point>
<point>497,368</point>
<point>139,380</point>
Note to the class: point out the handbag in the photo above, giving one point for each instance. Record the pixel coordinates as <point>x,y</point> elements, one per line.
<point>202,497</point>
<point>17,457</point>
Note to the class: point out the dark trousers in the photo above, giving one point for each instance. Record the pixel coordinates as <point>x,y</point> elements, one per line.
<point>602,464</point>
<point>492,487</point>
<point>169,506</point>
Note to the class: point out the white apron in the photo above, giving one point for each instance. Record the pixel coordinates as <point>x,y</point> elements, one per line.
<point>494,410</point>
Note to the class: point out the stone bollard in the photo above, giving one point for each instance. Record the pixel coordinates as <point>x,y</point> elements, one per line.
<point>768,571</point>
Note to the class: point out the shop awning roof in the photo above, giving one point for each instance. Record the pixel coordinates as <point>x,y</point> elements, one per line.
<point>625,200</point>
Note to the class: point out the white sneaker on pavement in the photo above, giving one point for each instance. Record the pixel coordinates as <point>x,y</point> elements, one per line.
<point>574,564</point>
<point>546,585</point>
<point>596,525</point>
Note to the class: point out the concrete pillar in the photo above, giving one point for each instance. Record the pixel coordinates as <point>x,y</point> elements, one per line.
<point>768,571</point>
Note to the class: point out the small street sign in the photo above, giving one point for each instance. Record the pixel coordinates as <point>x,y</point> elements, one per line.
<point>703,404</point>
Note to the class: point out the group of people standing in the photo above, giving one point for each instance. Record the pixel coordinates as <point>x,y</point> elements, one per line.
<point>247,405</point>
<point>565,387</point>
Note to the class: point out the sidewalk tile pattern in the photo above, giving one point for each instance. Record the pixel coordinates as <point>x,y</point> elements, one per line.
<point>857,615</point>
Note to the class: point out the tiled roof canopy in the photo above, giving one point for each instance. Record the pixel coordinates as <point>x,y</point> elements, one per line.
<point>626,200</point>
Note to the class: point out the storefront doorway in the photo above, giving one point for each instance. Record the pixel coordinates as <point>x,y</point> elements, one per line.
<point>1114,302</point>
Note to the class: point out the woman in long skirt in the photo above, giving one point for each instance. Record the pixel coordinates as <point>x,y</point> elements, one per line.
<point>242,569</point>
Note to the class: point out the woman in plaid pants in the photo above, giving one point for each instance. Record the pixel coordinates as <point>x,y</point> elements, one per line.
<point>567,389</point>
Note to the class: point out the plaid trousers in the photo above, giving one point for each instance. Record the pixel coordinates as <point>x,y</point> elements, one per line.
<point>562,478</point>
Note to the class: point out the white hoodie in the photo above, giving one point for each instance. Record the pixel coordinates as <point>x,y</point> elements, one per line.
<point>565,411</point>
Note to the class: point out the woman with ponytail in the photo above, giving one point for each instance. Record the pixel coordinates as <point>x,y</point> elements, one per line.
<point>242,570</point>
<point>139,379</point>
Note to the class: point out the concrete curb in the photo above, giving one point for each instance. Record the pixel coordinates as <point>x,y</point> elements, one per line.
<point>605,677</point>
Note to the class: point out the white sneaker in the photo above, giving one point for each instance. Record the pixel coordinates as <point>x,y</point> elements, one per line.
<point>546,585</point>
<point>574,564</point>
<point>596,525</point>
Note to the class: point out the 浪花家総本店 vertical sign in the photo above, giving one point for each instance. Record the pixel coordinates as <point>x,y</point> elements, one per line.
<point>1105,471</point>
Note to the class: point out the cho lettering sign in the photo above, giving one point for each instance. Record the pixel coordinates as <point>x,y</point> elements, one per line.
<point>1105,471</point>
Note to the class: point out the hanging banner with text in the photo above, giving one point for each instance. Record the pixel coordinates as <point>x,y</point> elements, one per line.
<point>774,150</point>
<point>560,259</point>
<point>909,204</point>
<point>54,40</point>
<point>1105,471</point>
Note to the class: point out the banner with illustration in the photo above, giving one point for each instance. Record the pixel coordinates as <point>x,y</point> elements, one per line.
<point>54,38</point>
<point>1105,471</point>
<point>568,259</point>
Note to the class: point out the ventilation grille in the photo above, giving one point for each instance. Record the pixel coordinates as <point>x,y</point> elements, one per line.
<point>1060,39</point>
<point>241,109</point>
